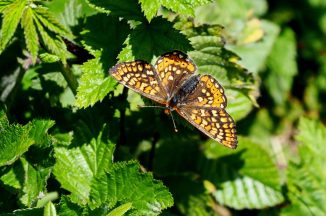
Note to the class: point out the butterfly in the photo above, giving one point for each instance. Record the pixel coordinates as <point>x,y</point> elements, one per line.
<point>173,82</point>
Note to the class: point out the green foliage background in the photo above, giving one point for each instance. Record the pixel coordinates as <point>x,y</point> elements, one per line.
<point>74,142</point>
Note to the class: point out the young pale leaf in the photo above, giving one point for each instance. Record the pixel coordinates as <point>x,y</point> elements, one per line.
<point>11,17</point>
<point>14,140</point>
<point>124,183</point>
<point>30,33</point>
<point>282,65</point>
<point>120,210</point>
<point>129,9</point>
<point>49,209</point>
<point>93,85</point>
<point>240,176</point>
<point>76,167</point>
<point>156,38</point>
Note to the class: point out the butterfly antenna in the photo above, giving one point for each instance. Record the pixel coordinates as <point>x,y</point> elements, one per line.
<point>143,106</point>
<point>175,127</point>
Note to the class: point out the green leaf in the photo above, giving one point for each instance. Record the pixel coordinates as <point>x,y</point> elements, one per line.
<point>155,38</point>
<point>76,167</point>
<point>4,4</point>
<point>29,187</point>
<point>283,66</point>
<point>190,196</point>
<point>212,58</point>
<point>125,184</point>
<point>239,104</point>
<point>70,13</point>
<point>49,58</point>
<point>240,176</point>
<point>150,8</point>
<point>55,45</point>
<point>50,22</point>
<point>49,209</point>
<point>129,9</point>
<point>38,132</point>
<point>14,140</point>
<point>307,190</point>
<point>93,85</point>
<point>31,38</point>
<point>100,31</point>
<point>67,208</point>
<point>120,210</point>
<point>11,17</point>
<point>254,56</point>
<point>185,7</point>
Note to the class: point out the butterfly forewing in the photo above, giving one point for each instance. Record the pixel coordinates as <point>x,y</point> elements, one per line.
<point>173,69</point>
<point>140,77</point>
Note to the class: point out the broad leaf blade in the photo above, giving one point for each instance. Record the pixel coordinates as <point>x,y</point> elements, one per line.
<point>76,167</point>
<point>306,178</point>
<point>124,183</point>
<point>93,85</point>
<point>283,66</point>
<point>150,8</point>
<point>29,188</point>
<point>240,176</point>
<point>14,140</point>
<point>155,38</point>
<point>129,9</point>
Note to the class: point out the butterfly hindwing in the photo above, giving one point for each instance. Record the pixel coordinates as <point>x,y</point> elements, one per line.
<point>208,93</point>
<point>214,122</point>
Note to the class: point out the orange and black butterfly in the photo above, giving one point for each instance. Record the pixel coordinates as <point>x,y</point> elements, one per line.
<point>172,81</point>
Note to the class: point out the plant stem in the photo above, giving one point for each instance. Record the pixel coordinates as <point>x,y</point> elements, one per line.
<point>70,78</point>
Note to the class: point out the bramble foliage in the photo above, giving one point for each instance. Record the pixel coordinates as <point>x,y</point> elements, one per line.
<point>75,142</point>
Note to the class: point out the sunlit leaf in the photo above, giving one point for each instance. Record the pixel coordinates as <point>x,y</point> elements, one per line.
<point>76,167</point>
<point>124,183</point>
<point>240,176</point>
